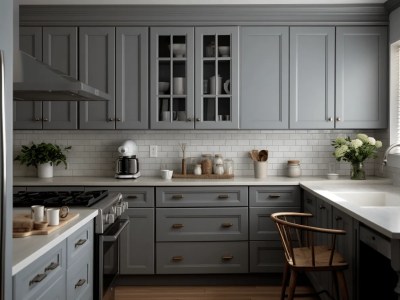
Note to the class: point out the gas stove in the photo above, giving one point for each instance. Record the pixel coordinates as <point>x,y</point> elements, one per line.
<point>62,198</point>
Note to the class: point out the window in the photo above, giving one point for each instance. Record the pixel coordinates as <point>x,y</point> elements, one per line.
<point>395,93</point>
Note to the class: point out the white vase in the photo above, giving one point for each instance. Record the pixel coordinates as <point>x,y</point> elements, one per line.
<point>45,170</point>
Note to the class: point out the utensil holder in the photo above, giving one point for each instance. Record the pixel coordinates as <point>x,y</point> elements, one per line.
<point>260,169</point>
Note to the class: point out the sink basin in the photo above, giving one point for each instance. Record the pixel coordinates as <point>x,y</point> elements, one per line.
<point>370,198</point>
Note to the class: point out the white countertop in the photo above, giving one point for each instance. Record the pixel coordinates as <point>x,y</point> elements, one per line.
<point>26,250</point>
<point>157,181</point>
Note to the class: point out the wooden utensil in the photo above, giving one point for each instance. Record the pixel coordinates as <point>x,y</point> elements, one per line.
<point>254,154</point>
<point>263,155</point>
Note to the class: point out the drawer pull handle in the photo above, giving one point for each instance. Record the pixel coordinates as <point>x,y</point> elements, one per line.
<point>322,207</point>
<point>227,257</point>
<point>177,258</point>
<point>338,218</point>
<point>80,283</point>
<point>223,196</point>
<point>131,197</point>
<point>80,243</point>
<point>51,267</point>
<point>226,225</point>
<point>177,197</point>
<point>177,226</point>
<point>38,278</point>
<point>274,196</point>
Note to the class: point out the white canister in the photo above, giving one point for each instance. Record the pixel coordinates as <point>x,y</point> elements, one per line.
<point>260,169</point>
<point>293,167</point>
<point>218,160</point>
<point>197,169</point>
<point>215,85</point>
<point>179,85</point>
<point>219,169</point>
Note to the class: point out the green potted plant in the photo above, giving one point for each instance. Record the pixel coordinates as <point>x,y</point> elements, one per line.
<point>43,156</point>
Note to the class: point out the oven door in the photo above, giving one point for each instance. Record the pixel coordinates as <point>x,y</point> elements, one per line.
<point>108,259</point>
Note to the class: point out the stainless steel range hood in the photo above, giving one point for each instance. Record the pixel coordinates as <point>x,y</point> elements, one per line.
<point>36,81</point>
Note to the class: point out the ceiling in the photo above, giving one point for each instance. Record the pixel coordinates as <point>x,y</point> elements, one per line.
<point>192,2</point>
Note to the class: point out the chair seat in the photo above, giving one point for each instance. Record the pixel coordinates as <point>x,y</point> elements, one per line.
<point>303,259</point>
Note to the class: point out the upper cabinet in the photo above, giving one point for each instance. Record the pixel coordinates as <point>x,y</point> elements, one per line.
<point>361,77</point>
<point>194,82</point>
<point>312,77</point>
<point>115,60</point>
<point>264,77</point>
<point>57,47</point>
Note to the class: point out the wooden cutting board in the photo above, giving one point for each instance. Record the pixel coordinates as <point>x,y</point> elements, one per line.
<point>49,229</point>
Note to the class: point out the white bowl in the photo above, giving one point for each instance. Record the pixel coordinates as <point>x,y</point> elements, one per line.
<point>166,174</point>
<point>224,50</point>
<point>179,50</point>
<point>163,87</point>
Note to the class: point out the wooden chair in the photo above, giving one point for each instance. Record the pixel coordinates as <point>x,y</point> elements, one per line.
<point>304,254</point>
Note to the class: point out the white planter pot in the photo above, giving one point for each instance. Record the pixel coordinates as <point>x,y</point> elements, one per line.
<point>45,170</point>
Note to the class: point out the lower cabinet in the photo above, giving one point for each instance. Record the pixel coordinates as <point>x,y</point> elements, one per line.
<point>201,230</point>
<point>266,252</point>
<point>60,273</point>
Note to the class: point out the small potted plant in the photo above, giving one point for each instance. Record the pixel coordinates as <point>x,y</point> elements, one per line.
<point>43,156</point>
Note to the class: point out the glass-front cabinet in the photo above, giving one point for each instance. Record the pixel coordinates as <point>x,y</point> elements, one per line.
<point>216,87</point>
<point>172,77</point>
<point>194,78</point>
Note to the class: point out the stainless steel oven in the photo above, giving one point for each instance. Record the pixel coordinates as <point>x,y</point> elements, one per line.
<point>108,259</point>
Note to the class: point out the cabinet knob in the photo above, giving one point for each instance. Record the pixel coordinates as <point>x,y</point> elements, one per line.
<point>189,119</point>
<point>37,119</point>
<point>80,283</point>
<point>197,119</point>
<point>330,119</point>
<point>118,120</point>
<point>45,119</point>
<point>338,119</point>
<point>110,119</point>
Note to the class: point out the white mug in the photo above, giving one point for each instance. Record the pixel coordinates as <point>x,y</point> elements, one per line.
<point>166,116</point>
<point>181,115</point>
<point>166,174</point>
<point>53,216</point>
<point>37,213</point>
<point>215,87</point>
<point>179,85</point>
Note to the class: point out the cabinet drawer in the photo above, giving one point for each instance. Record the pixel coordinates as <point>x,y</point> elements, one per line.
<point>200,257</point>
<point>202,224</point>
<point>262,228</point>
<point>40,274</point>
<point>376,241</point>
<point>201,197</point>
<point>80,243</point>
<point>79,279</point>
<point>266,256</point>
<point>136,196</point>
<point>275,196</point>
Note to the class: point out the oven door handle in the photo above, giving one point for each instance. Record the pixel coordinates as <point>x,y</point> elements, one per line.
<point>113,238</point>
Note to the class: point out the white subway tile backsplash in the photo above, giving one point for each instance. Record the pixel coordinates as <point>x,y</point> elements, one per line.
<point>94,152</point>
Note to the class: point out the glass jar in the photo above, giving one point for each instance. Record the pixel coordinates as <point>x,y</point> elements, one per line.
<point>218,160</point>
<point>206,164</point>
<point>228,166</point>
<point>197,169</point>
<point>219,169</point>
<point>294,169</point>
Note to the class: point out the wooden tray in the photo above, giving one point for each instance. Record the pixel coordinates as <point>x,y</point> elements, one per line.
<point>203,176</point>
<point>47,230</point>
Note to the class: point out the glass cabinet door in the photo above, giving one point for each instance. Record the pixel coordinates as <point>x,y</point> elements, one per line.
<point>172,78</point>
<point>216,94</point>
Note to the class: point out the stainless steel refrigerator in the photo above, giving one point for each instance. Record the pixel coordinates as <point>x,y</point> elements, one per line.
<point>6,111</point>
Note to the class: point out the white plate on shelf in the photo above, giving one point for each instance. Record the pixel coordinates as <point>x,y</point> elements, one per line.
<point>227,86</point>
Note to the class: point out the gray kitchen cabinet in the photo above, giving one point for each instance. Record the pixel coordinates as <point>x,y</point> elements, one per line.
<point>217,77</point>
<point>137,241</point>
<point>97,68</point>
<point>361,77</point>
<point>57,47</point>
<point>175,70</point>
<point>264,77</point>
<point>201,230</point>
<point>312,77</point>
<point>131,103</point>
<point>266,252</point>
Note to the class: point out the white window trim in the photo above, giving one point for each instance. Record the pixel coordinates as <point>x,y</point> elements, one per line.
<point>394,157</point>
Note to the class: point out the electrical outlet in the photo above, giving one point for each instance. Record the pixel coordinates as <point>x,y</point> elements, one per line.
<point>153,151</point>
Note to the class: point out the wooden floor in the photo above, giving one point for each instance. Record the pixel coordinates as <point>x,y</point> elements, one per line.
<point>204,292</point>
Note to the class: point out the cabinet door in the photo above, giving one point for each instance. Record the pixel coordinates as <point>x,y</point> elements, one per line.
<point>264,77</point>
<point>28,114</point>
<point>131,108</point>
<point>312,71</point>
<point>361,77</point>
<point>171,78</point>
<point>217,78</point>
<point>60,51</point>
<point>97,68</point>
<point>137,242</point>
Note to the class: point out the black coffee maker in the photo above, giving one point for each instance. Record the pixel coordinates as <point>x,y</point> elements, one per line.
<point>127,165</point>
